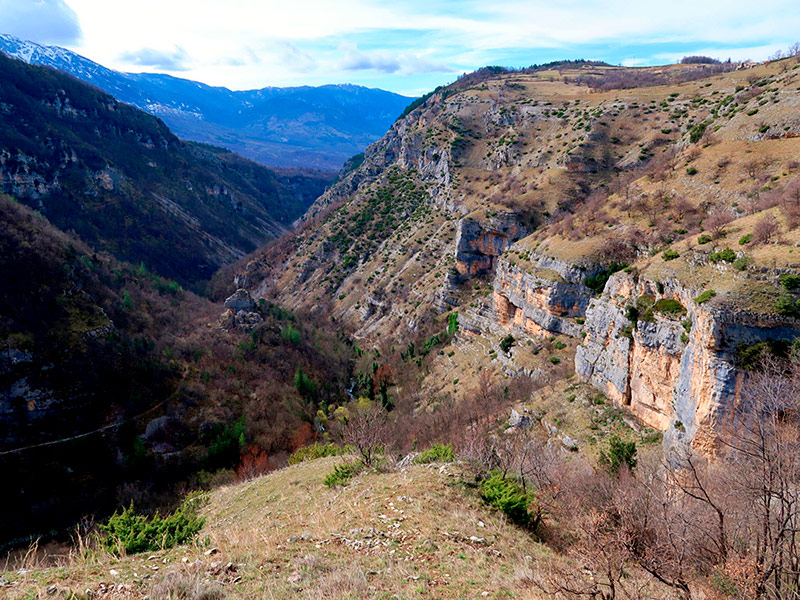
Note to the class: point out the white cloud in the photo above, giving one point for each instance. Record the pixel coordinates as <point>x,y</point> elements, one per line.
<point>45,21</point>
<point>253,43</point>
<point>165,60</point>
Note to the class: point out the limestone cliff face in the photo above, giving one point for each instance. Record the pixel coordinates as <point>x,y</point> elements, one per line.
<point>479,245</point>
<point>541,300</point>
<point>683,382</point>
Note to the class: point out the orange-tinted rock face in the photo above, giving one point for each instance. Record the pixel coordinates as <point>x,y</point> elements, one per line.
<point>478,246</point>
<point>685,383</point>
<point>653,375</point>
<point>537,304</point>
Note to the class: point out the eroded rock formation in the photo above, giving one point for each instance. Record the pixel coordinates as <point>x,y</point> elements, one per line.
<point>541,300</point>
<point>676,372</point>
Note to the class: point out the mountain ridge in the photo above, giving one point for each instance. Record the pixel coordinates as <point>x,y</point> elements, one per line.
<point>126,184</point>
<point>254,123</point>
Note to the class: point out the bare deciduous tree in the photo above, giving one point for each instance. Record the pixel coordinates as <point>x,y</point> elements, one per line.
<point>368,430</point>
<point>765,229</point>
<point>717,221</point>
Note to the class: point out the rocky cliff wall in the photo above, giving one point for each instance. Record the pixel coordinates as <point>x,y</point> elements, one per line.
<point>540,301</point>
<point>480,243</point>
<point>676,372</point>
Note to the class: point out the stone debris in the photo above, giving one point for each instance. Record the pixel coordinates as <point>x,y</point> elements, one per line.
<point>518,420</point>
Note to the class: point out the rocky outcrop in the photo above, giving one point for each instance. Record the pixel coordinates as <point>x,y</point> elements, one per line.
<point>240,300</point>
<point>480,244</point>
<point>676,373</point>
<point>241,312</point>
<point>540,300</point>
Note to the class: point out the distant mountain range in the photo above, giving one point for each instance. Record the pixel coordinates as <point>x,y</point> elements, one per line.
<point>120,179</point>
<point>299,126</point>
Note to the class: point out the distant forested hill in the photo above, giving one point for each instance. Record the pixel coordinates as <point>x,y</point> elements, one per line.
<point>121,180</point>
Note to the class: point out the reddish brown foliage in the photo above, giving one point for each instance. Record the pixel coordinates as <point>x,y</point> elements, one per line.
<point>255,462</point>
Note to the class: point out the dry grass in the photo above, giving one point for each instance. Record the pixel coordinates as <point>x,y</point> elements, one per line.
<point>413,533</point>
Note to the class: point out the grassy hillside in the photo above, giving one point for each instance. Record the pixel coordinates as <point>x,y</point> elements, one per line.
<point>414,533</point>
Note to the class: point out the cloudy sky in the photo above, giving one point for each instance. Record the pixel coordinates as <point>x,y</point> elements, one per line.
<point>408,47</point>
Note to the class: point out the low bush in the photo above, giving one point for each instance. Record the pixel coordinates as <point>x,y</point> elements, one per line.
<point>724,255</point>
<point>130,533</point>
<point>790,281</point>
<point>750,356</point>
<point>436,453</point>
<point>342,474</point>
<point>704,239</point>
<point>619,453</point>
<point>597,283</point>
<point>317,450</point>
<point>509,497</point>
<point>705,296</point>
<point>745,239</point>
<point>669,306</point>
<point>786,305</point>
<point>506,343</point>
<point>669,254</point>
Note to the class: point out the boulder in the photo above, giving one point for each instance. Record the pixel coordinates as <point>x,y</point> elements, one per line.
<point>241,300</point>
<point>518,420</point>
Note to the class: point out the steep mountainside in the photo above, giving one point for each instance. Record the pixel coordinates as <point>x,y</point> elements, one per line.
<point>125,184</point>
<point>303,126</point>
<point>117,385</point>
<point>644,218</point>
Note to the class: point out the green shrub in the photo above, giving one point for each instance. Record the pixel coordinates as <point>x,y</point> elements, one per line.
<point>705,296</point>
<point>559,345</point>
<point>790,281</point>
<point>509,497</point>
<point>555,360</point>
<point>750,356</point>
<point>740,264</point>
<point>436,453</point>
<point>342,474</point>
<point>290,334</point>
<point>317,450</point>
<point>669,254</point>
<point>644,308</point>
<point>745,239</point>
<point>506,343</point>
<point>669,306</point>
<point>619,453</point>
<point>786,305</point>
<point>691,171</point>
<point>597,283</point>
<point>452,323</point>
<point>227,445</point>
<point>687,324</point>
<point>704,239</point>
<point>724,255</point>
<point>127,303</point>
<point>132,533</point>
<point>695,133</point>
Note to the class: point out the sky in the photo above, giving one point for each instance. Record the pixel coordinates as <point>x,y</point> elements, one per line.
<point>408,46</point>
